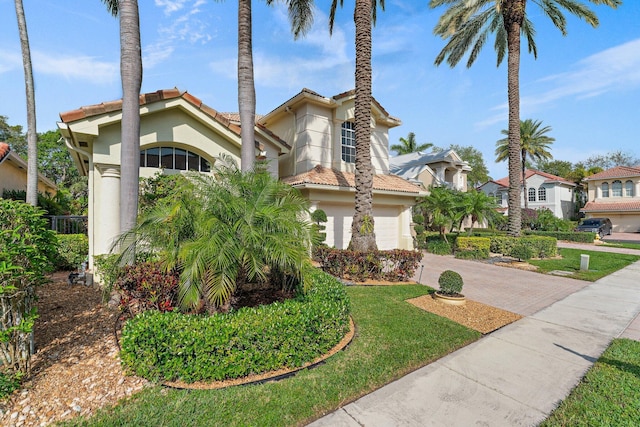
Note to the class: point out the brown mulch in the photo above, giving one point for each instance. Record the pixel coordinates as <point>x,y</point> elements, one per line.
<point>480,317</point>
<point>76,368</point>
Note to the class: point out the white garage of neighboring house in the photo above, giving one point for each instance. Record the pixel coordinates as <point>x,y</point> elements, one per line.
<point>308,141</point>
<point>615,194</point>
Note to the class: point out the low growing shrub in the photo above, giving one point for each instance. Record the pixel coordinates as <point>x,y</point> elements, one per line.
<point>521,251</point>
<point>73,250</point>
<point>450,282</point>
<point>570,236</point>
<point>439,247</point>
<point>541,246</point>
<point>173,346</point>
<point>472,247</point>
<point>393,265</point>
<point>145,286</point>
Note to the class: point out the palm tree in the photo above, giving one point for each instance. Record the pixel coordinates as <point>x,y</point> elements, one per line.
<point>131,75</point>
<point>244,227</point>
<point>301,18</point>
<point>32,136</point>
<point>441,207</point>
<point>363,237</point>
<point>533,142</point>
<point>467,25</point>
<point>409,145</point>
<point>479,206</point>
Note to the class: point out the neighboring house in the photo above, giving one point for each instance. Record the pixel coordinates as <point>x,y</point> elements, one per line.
<point>13,173</point>
<point>308,142</point>
<point>442,169</point>
<point>615,194</point>
<point>544,191</point>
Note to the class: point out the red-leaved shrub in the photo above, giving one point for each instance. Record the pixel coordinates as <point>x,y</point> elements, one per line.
<point>145,286</point>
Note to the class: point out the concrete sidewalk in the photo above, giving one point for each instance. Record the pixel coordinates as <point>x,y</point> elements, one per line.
<point>516,375</point>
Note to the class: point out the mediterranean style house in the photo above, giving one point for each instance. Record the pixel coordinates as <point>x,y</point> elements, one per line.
<point>13,173</point>
<point>544,191</point>
<point>308,142</point>
<point>441,169</point>
<point>615,194</point>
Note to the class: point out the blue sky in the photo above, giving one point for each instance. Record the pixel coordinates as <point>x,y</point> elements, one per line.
<point>586,86</point>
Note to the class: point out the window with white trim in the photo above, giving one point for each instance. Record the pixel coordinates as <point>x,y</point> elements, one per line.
<point>628,189</point>
<point>605,189</point>
<point>616,188</point>
<point>348,142</point>
<point>173,158</point>
<point>542,194</point>
<point>532,194</point>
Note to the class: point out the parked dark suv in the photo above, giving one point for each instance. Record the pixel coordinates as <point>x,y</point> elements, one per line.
<point>602,226</point>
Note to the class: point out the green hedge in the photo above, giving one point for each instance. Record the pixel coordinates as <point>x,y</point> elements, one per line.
<point>472,247</point>
<point>73,249</point>
<point>396,265</point>
<point>541,246</point>
<point>173,346</point>
<point>571,236</point>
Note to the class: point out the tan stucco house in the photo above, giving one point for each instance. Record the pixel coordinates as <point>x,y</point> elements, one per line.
<point>308,141</point>
<point>615,194</point>
<point>13,173</point>
<point>544,191</point>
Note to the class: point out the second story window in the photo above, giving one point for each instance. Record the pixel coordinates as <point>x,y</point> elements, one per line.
<point>616,188</point>
<point>605,189</point>
<point>628,189</point>
<point>348,142</point>
<point>542,194</point>
<point>532,194</point>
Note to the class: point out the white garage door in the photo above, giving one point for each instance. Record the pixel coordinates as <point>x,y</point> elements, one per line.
<point>339,218</point>
<point>624,223</point>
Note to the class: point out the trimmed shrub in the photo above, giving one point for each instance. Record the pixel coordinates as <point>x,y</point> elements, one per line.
<point>541,246</point>
<point>73,250</point>
<point>521,251</point>
<point>173,346</point>
<point>439,247</point>
<point>450,282</point>
<point>146,286</point>
<point>472,247</point>
<point>393,265</point>
<point>570,236</point>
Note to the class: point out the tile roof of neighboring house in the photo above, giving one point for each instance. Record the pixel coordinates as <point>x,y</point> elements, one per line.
<point>616,172</point>
<point>611,207</point>
<point>226,119</point>
<point>4,150</point>
<point>320,175</point>
<point>530,172</point>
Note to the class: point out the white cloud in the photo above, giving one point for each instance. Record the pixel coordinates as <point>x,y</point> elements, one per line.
<point>9,60</point>
<point>154,54</point>
<point>76,67</point>
<point>613,69</point>
<point>170,6</point>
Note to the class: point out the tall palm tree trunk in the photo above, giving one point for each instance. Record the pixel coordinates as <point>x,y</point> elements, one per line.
<point>363,237</point>
<point>523,154</point>
<point>32,136</point>
<point>513,15</point>
<point>131,75</point>
<point>246,87</point>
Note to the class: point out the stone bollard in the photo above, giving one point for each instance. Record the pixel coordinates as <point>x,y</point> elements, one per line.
<point>584,262</point>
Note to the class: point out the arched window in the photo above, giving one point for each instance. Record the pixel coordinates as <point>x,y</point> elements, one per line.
<point>616,188</point>
<point>605,189</point>
<point>542,194</point>
<point>173,158</point>
<point>628,189</point>
<point>348,139</point>
<point>532,194</point>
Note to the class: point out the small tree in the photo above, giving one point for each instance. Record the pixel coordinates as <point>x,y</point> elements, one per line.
<point>27,251</point>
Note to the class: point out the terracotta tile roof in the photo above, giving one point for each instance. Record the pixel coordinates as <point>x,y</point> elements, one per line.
<point>229,120</point>
<point>612,207</point>
<point>616,172</point>
<point>320,175</point>
<point>4,150</point>
<point>528,173</point>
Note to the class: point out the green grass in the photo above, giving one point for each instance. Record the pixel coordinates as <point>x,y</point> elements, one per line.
<point>600,263</point>
<point>623,245</point>
<point>609,395</point>
<point>392,339</point>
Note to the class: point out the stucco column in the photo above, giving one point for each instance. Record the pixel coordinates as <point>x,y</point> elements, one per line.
<point>440,173</point>
<point>636,189</point>
<point>107,208</point>
<point>457,179</point>
<point>406,240</point>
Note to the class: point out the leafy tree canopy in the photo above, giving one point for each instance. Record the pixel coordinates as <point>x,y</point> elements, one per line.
<point>611,159</point>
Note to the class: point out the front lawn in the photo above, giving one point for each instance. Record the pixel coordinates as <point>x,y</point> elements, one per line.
<point>625,245</point>
<point>392,339</point>
<point>609,395</point>
<point>600,263</point>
